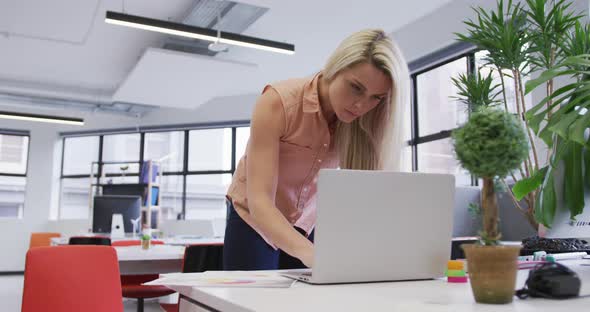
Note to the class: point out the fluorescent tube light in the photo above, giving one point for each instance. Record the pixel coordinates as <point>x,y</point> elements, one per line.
<point>42,118</point>
<point>195,32</point>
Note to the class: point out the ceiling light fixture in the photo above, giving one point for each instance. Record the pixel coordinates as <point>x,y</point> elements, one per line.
<point>217,46</point>
<point>42,118</point>
<point>197,32</point>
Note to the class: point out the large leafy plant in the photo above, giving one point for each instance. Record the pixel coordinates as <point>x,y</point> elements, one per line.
<point>545,39</point>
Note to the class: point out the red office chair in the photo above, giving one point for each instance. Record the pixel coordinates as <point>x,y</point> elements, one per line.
<point>72,278</point>
<point>131,284</point>
<point>199,258</point>
<point>40,239</point>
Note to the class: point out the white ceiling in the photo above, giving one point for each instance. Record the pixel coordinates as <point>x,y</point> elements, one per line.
<point>175,79</point>
<point>66,45</point>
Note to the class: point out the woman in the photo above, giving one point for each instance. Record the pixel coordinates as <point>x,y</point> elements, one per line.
<point>349,115</point>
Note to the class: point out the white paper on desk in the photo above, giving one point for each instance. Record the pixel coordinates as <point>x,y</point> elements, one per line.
<point>224,279</point>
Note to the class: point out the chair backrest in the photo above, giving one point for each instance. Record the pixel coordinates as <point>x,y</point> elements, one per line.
<point>90,240</point>
<point>135,242</point>
<point>41,239</point>
<point>72,278</point>
<point>201,258</point>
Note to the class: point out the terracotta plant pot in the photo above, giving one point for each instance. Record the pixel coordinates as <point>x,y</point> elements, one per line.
<point>492,272</point>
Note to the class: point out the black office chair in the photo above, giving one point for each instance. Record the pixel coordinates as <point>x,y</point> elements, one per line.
<point>456,250</point>
<point>201,258</point>
<point>89,240</point>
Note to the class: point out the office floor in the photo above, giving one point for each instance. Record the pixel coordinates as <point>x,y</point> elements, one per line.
<point>11,292</point>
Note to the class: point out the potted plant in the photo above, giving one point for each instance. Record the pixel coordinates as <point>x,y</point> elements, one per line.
<point>543,40</point>
<point>490,145</point>
<point>145,241</point>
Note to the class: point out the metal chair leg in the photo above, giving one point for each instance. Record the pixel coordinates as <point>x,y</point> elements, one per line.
<point>139,304</point>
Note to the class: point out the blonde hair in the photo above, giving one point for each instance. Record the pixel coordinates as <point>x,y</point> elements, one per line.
<point>375,140</point>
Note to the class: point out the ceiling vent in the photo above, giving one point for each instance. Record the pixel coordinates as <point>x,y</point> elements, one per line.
<point>235,17</point>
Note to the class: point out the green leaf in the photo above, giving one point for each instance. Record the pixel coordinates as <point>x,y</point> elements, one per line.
<point>563,124</point>
<point>578,128</point>
<point>525,186</point>
<point>587,163</point>
<point>553,96</point>
<point>578,60</point>
<point>546,201</point>
<point>574,180</point>
<point>546,76</point>
<point>535,122</point>
<point>547,136</point>
<point>562,148</point>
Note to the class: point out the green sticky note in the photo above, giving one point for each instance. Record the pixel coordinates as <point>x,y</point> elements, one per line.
<point>455,273</point>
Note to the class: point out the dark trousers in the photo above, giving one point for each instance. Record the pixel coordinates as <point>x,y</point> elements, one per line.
<point>244,249</point>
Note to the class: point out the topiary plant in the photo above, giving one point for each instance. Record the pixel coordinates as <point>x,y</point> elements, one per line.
<point>491,144</point>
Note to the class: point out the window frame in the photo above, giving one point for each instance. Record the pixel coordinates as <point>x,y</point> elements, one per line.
<point>19,175</point>
<point>184,172</point>
<point>22,134</point>
<point>424,65</point>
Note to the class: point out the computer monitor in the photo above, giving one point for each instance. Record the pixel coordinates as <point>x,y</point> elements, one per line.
<point>106,206</point>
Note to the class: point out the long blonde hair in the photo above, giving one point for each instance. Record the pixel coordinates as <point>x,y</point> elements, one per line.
<point>375,140</point>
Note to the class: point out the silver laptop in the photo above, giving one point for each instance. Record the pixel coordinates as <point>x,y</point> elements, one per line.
<point>380,226</point>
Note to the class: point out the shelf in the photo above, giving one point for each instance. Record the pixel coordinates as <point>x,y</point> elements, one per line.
<point>116,162</point>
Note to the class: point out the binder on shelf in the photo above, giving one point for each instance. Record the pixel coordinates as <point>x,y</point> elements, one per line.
<point>144,174</point>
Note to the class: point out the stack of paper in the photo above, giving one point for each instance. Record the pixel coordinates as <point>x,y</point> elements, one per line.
<point>224,279</point>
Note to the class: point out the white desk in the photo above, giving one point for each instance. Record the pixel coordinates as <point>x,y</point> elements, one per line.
<point>156,252</point>
<point>178,241</point>
<point>158,259</point>
<point>184,241</point>
<point>434,295</point>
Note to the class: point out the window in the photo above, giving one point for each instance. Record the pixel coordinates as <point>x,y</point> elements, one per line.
<point>12,196</point>
<point>210,149</point>
<point>434,115</point>
<point>74,201</point>
<point>210,171</point>
<point>172,197</point>
<point>438,157</point>
<point>436,110</point>
<point>205,196</point>
<point>242,136</point>
<point>508,81</point>
<point>79,153</point>
<point>121,147</point>
<point>168,147</point>
<point>197,168</point>
<point>14,151</point>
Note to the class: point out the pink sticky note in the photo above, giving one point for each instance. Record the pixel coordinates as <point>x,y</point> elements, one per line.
<point>457,279</point>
